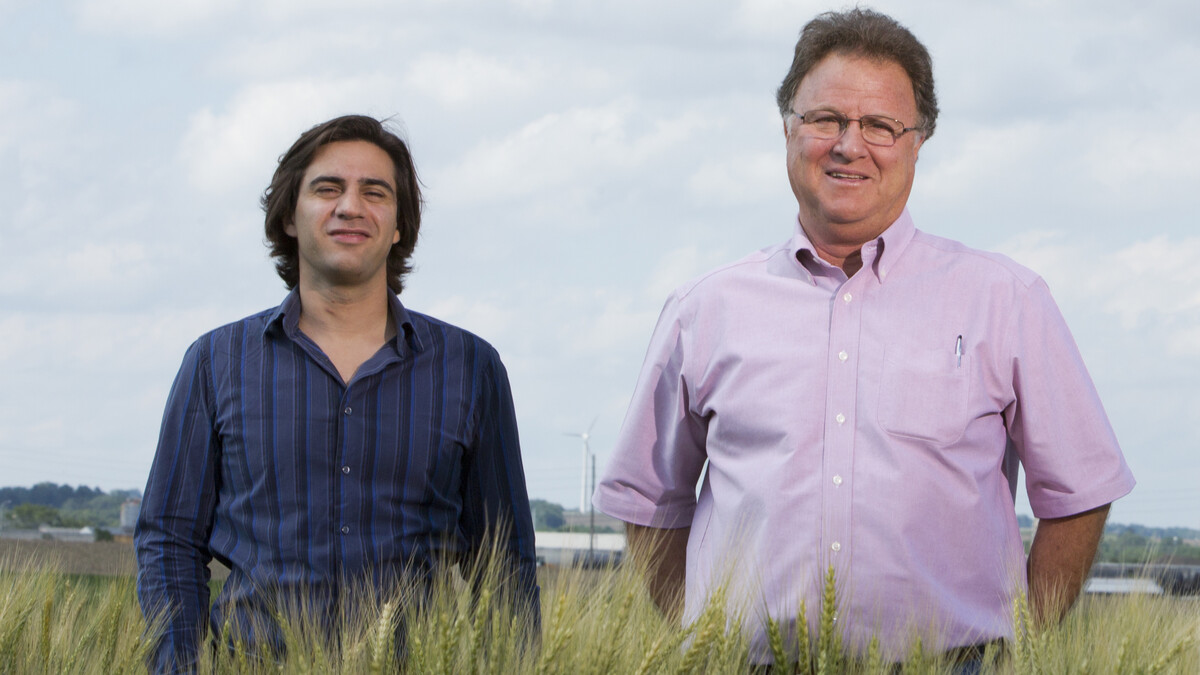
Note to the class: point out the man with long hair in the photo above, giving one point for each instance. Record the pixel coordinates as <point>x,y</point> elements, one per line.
<point>339,438</point>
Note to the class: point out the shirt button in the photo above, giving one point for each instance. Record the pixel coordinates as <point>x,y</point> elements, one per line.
<point>847,297</point>
<point>841,419</point>
<point>345,529</point>
<point>345,469</point>
<point>843,355</point>
<point>837,480</point>
<point>836,546</point>
<point>348,410</point>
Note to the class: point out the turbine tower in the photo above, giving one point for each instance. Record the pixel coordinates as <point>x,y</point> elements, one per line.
<point>584,505</point>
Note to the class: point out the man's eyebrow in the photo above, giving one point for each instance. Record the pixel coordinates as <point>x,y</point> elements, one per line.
<point>328,179</point>
<point>377,182</point>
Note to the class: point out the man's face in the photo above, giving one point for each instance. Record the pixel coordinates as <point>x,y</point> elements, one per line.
<point>848,191</point>
<point>345,218</point>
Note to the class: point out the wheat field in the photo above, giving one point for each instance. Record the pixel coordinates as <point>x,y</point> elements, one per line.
<point>593,622</point>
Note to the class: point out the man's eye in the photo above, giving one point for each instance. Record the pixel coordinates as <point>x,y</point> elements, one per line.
<point>879,126</point>
<point>326,190</point>
<point>823,118</point>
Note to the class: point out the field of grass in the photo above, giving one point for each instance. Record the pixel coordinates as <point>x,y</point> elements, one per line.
<point>597,622</point>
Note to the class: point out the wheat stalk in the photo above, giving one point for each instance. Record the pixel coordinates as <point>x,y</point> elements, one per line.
<point>478,628</point>
<point>559,633</point>
<point>383,641</point>
<point>803,646</point>
<point>1161,663</point>
<point>775,640</point>
<point>705,630</point>
<point>874,656</point>
<point>1122,655</point>
<point>660,647</point>
<point>108,630</point>
<point>829,640</point>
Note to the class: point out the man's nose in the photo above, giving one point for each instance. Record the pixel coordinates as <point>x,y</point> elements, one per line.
<point>851,144</point>
<point>349,205</point>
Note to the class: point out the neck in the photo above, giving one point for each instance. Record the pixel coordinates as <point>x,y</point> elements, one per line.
<point>347,312</point>
<point>847,256</point>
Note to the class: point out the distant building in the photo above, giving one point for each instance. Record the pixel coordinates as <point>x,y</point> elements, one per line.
<point>73,534</point>
<point>572,548</point>
<point>129,513</point>
<point>27,535</point>
<point>82,535</point>
<point>1111,586</point>
<point>576,521</point>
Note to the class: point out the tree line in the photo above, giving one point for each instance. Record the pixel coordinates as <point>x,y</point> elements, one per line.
<point>62,506</point>
<point>1121,544</point>
<point>66,506</point>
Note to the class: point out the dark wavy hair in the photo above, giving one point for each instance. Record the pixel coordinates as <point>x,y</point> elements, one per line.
<point>873,35</point>
<point>279,200</point>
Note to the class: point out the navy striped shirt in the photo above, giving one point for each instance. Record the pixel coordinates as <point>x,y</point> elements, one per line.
<point>268,462</point>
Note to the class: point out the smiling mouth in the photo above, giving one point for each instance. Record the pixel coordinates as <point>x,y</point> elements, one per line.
<point>848,176</point>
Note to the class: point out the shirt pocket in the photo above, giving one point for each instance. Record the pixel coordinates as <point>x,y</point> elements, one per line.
<point>924,393</point>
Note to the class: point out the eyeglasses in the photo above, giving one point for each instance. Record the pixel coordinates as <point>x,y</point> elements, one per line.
<point>876,129</point>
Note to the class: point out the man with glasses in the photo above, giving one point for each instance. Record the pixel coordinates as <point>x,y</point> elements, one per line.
<point>859,397</point>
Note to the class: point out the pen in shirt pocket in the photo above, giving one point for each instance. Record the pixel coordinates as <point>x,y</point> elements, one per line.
<point>958,351</point>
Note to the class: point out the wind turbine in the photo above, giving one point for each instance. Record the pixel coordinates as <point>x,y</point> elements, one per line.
<point>584,506</point>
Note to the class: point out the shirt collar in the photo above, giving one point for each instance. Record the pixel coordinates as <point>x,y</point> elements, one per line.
<point>879,254</point>
<point>285,321</point>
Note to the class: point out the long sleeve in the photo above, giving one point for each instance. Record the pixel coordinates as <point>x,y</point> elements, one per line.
<point>495,500</point>
<point>176,518</point>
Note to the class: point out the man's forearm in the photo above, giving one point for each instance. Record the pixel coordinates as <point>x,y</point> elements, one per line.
<point>1059,561</point>
<point>662,557</point>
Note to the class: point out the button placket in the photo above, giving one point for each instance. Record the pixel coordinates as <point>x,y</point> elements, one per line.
<point>841,401</point>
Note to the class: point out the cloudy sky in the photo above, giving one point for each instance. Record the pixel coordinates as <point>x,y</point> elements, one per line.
<point>581,158</point>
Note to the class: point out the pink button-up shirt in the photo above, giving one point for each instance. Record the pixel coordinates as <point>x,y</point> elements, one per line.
<point>873,424</point>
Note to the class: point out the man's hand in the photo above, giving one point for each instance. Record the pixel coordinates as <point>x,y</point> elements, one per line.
<point>1059,561</point>
<point>661,555</point>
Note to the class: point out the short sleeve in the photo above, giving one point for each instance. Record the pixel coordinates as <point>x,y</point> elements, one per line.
<point>660,451</point>
<point>1057,424</point>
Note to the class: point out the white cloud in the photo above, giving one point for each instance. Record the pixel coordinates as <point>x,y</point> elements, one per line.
<point>984,155</point>
<point>38,125</point>
<point>537,8</point>
<point>225,151</point>
<point>1143,153</point>
<point>108,265</point>
<point>567,152</point>
<point>740,179</point>
<point>1156,276</point>
<point>469,78</point>
<point>613,324</point>
<point>151,17</point>
<point>104,342</point>
<point>1149,284</point>
<point>776,18</point>
<point>490,319</point>
<point>678,266</point>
